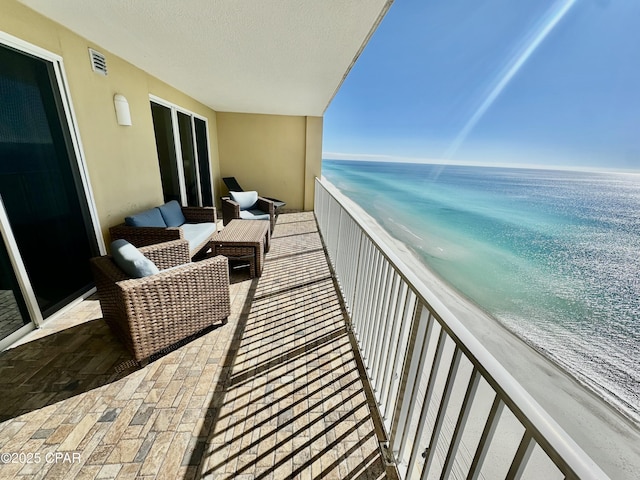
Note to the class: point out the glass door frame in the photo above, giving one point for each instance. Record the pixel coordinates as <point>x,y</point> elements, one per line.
<point>178,147</point>
<point>70,123</point>
<point>24,283</point>
<point>71,120</point>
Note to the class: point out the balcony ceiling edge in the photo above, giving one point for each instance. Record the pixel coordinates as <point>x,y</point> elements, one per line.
<point>282,57</point>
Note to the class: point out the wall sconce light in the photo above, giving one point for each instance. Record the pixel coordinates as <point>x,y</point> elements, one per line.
<point>122,110</point>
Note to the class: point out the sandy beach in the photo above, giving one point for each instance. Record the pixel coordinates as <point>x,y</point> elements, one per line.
<point>611,439</point>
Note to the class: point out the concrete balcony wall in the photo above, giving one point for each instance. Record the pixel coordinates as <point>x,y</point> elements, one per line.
<point>121,161</point>
<point>277,155</point>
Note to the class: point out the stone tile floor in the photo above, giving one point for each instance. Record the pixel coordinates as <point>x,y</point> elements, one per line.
<point>276,393</point>
<point>10,316</point>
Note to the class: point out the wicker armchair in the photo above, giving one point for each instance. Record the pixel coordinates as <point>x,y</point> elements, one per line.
<point>231,210</point>
<point>152,313</point>
<point>143,236</point>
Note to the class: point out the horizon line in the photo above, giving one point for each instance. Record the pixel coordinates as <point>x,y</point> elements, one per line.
<point>363,157</point>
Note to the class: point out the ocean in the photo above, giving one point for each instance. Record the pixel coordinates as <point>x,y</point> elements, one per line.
<point>553,255</point>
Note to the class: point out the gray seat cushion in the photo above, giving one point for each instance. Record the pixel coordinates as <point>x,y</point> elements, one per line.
<point>198,233</point>
<point>131,260</point>
<point>254,215</point>
<point>148,218</point>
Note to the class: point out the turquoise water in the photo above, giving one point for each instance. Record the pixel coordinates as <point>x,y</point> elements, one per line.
<point>553,255</point>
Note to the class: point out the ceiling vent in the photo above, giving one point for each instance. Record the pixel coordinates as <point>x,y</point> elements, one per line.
<point>98,62</point>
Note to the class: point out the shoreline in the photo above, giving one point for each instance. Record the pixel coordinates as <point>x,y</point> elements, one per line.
<point>441,284</point>
<point>605,433</point>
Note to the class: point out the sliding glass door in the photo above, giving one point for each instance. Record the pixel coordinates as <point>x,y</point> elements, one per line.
<point>202,150</point>
<point>167,154</point>
<point>41,188</point>
<point>183,155</point>
<point>189,167</point>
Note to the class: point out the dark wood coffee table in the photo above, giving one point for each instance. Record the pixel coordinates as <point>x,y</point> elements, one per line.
<point>244,240</point>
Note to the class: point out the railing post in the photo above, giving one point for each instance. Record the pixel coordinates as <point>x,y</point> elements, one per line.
<point>435,367</point>
<point>414,364</point>
<point>485,438</point>
<point>386,336</point>
<point>394,374</point>
<point>442,410</point>
<point>465,409</point>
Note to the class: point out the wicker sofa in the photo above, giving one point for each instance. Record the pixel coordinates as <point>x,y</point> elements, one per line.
<point>197,225</point>
<point>152,313</point>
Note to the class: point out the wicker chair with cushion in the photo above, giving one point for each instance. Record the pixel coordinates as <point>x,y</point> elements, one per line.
<point>233,186</point>
<point>156,311</point>
<point>247,206</point>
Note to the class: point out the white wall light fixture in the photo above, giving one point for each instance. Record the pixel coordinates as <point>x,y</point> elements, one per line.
<point>122,110</point>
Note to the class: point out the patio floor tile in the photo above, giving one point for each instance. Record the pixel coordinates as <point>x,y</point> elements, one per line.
<point>274,393</point>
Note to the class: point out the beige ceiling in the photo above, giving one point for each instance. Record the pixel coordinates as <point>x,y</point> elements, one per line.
<point>285,57</point>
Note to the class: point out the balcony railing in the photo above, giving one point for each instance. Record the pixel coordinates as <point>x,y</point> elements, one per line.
<point>449,408</point>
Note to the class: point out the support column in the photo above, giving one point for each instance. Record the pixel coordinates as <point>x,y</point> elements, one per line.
<point>313,158</point>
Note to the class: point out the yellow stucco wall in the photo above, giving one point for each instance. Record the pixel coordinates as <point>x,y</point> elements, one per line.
<point>273,154</point>
<point>121,161</point>
<point>276,155</point>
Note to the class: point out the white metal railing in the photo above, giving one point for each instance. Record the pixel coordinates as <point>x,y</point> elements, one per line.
<point>449,408</point>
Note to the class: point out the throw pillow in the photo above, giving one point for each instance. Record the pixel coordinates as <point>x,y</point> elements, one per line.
<point>131,260</point>
<point>172,214</point>
<point>246,200</point>
<point>148,218</point>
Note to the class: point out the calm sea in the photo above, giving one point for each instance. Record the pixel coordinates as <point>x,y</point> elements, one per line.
<point>553,255</point>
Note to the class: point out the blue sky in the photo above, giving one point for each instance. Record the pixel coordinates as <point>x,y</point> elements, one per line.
<point>495,82</point>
